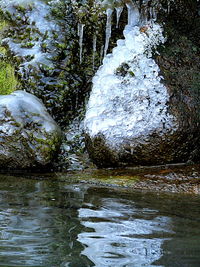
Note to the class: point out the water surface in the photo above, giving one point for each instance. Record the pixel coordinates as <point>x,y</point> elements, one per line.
<point>47,222</point>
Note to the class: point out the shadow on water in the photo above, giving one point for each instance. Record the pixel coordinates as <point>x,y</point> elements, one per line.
<point>55,223</point>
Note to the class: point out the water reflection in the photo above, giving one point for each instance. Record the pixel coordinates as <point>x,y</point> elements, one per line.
<point>39,225</point>
<point>122,234</point>
<point>51,223</point>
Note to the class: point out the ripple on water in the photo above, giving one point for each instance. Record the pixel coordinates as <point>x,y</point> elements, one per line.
<point>121,234</point>
<point>52,223</point>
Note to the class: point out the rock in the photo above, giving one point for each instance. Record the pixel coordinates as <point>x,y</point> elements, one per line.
<point>132,118</point>
<point>29,137</point>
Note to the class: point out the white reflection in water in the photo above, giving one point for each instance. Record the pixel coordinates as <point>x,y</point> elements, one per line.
<point>120,234</point>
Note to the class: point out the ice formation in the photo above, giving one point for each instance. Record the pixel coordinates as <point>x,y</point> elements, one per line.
<point>109,12</point>
<point>128,99</point>
<point>80,34</point>
<point>118,14</point>
<point>37,15</point>
<point>94,50</point>
<point>18,101</point>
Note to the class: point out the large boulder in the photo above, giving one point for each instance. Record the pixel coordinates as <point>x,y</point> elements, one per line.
<point>29,137</point>
<point>132,118</point>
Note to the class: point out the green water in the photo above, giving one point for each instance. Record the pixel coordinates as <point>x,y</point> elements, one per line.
<point>48,222</point>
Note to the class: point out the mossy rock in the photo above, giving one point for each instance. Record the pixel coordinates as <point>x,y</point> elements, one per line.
<point>29,137</point>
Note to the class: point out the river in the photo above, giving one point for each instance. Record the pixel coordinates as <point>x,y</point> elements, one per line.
<point>54,220</point>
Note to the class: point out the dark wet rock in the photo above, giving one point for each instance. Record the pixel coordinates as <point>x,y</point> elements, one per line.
<point>29,137</point>
<point>182,146</point>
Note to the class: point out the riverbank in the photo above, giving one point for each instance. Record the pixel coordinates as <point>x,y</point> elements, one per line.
<point>178,178</point>
<point>171,178</point>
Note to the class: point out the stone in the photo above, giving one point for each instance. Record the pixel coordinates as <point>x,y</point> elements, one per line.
<point>29,137</point>
<point>132,118</point>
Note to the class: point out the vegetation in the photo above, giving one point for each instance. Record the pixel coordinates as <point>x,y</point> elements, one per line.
<point>8,80</point>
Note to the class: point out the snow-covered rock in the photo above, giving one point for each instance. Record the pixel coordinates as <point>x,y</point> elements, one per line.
<point>29,137</point>
<point>129,120</point>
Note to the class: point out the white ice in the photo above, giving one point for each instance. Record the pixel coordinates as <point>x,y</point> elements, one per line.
<point>133,105</point>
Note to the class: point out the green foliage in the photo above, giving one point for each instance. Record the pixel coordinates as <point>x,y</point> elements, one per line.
<point>8,81</point>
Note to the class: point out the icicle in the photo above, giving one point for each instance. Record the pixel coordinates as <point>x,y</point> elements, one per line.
<point>109,12</point>
<point>78,29</point>
<point>133,14</point>
<point>80,34</point>
<point>168,6</point>
<point>144,14</point>
<point>101,54</point>
<point>152,13</point>
<point>94,49</point>
<point>118,14</point>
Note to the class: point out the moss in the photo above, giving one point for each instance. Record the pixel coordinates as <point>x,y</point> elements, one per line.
<point>107,179</point>
<point>3,24</point>
<point>8,81</point>
<point>27,45</point>
<point>123,69</point>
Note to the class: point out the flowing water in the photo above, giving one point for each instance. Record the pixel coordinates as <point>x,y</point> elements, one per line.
<point>48,221</point>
